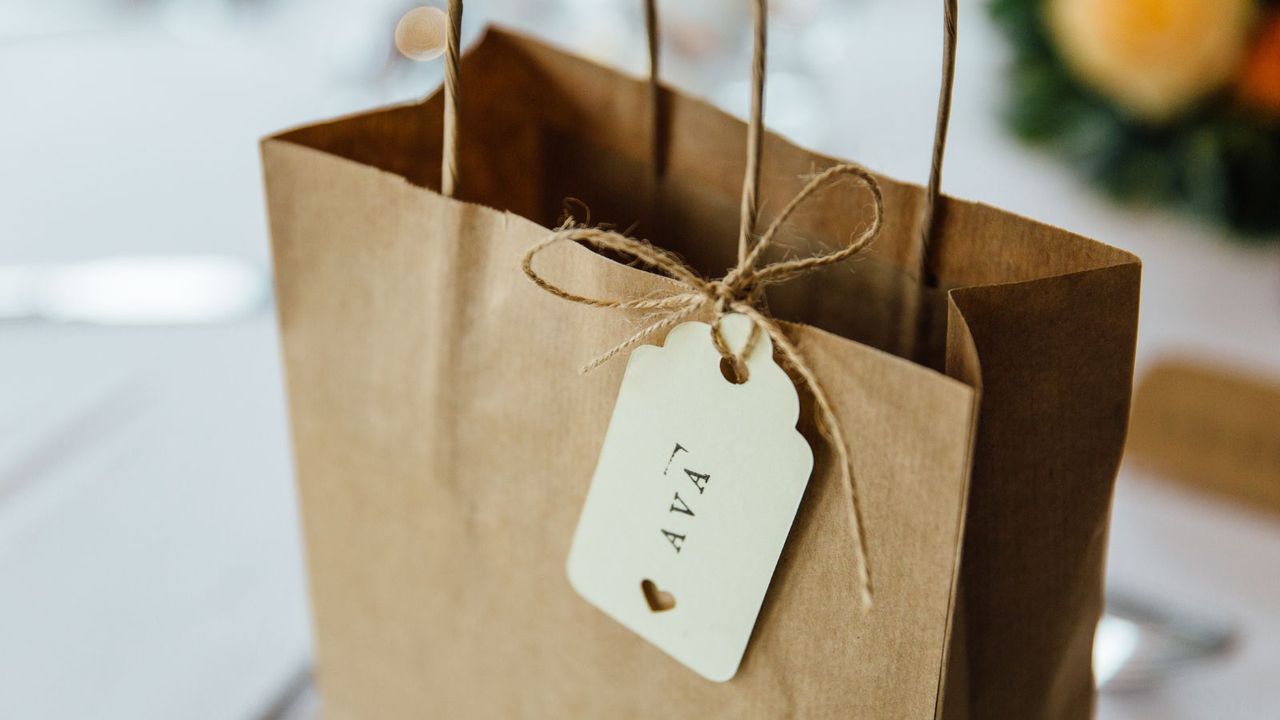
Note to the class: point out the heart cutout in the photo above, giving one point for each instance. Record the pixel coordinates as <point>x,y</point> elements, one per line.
<point>659,600</point>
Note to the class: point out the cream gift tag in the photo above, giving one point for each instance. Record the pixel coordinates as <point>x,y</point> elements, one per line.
<point>697,485</point>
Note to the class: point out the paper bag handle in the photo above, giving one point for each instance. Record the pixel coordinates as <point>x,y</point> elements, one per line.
<point>449,145</point>
<point>751,180</point>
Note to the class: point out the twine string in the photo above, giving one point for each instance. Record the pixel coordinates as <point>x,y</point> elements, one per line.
<point>738,291</point>
<point>449,144</point>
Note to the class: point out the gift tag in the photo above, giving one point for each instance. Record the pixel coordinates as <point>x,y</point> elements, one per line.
<point>693,497</point>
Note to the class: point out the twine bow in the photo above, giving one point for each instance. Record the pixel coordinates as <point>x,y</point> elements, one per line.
<point>740,290</point>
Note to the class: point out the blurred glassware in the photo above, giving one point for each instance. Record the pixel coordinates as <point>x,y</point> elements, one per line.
<point>136,290</point>
<point>1139,644</point>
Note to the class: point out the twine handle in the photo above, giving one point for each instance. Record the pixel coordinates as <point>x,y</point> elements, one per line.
<point>929,212</point>
<point>449,147</point>
<point>751,181</point>
<point>755,131</point>
<point>657,112</point>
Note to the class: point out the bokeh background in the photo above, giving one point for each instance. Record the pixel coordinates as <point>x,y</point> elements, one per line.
<point>150,563</point>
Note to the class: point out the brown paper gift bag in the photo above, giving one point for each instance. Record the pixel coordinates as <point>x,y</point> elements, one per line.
<point>444,439</point>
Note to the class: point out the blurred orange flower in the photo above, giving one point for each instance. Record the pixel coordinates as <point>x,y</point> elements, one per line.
<point>1152,57</point>
<point>1260,80</point>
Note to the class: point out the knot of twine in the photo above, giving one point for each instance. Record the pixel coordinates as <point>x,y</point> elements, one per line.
<point>740,291</point>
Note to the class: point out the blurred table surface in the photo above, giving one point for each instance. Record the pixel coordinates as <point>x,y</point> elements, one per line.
<point>150,564</point>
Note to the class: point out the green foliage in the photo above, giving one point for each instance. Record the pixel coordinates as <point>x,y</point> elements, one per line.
<point>1217,160</point>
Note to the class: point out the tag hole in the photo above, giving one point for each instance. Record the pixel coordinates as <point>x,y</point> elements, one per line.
<point>731,373</point>
<point>658,600</point>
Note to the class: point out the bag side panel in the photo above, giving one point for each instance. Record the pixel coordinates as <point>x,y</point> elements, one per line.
<point>1057,364</point>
